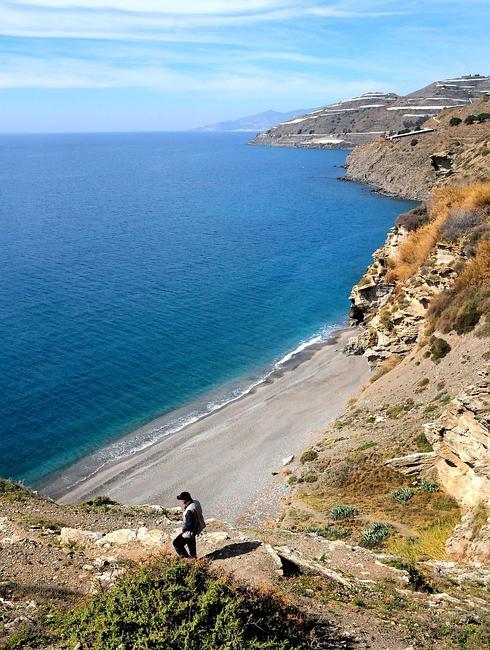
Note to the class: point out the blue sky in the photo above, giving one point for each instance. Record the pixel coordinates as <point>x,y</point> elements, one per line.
<point>128,65</point>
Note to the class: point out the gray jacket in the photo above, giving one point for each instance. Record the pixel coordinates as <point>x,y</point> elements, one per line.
<point>193,520</point>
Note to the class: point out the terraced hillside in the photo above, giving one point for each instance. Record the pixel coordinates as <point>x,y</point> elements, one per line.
<point>359,120</point>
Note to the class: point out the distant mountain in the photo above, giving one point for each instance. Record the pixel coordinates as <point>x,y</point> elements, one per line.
<point>361,119</point>
<point>252,123</point>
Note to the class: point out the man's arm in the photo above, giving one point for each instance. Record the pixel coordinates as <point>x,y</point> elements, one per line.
<point>188,523</point>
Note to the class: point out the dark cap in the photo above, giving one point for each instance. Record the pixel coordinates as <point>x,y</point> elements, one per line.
<point>184,496</point>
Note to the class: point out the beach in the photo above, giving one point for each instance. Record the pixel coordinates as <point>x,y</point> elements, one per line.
<point>229,459</point>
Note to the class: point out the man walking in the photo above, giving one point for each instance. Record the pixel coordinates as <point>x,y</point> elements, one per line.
<point>192,525</point>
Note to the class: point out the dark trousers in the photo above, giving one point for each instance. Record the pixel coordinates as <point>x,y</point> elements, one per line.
<point>180,544</point>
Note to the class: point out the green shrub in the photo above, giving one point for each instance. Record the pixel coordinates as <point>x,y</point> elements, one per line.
<point>470,119</point>
<point>310,478</point>
<point>423,445</point>
<point>329,532</point>
<point>367,445</point>
<point>483,331</point>
<point>454,121</point>
<point>308,456</point>
<point>343,512</point>
<point>375,533</point>
<point>403,495</point>
<point>417,581</point>
<point>423,382</point>
<point>11,491</point>
<point>439,349</point>
<point>413,142</point>
<point>173,605</point>
<point>428,486</point>
<point>483,117</point>
<point>98,503</point>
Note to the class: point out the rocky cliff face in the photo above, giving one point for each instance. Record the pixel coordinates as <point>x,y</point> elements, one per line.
<point>411,166</point>
<point>461,442</point>
<point>395,319</point>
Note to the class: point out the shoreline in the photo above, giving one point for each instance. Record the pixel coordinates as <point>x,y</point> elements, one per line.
<point>228,456</point>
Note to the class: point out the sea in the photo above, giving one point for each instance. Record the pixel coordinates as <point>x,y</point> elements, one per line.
<point>161,275</point>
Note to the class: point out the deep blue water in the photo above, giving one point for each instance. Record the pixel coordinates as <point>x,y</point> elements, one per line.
<point>140,271</point>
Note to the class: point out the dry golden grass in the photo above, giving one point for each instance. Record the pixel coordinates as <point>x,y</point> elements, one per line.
<point>415,250</point>
<point>430,542</point>
<point>385,366</point>
<point>477,272</point>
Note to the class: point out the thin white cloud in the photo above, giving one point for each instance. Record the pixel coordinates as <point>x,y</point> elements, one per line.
<point>64,72</point>
<point>176,7</point>
<point>164,19</point>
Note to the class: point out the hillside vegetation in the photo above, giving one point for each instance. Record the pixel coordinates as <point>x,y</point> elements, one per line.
<point>171,604</point>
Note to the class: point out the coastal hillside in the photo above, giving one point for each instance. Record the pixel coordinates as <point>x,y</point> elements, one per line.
<point>384,540</point>
<point>358,120</point>
<point>407,466</point>
<point>448,148</point>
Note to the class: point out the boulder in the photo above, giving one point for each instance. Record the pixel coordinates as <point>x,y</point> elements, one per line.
<point>78,536</point>
<point>216,537</point>
<point>119,537</point>
<point>154,538</point>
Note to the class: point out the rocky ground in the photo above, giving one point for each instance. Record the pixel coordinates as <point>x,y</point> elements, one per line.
<point>53,555</point>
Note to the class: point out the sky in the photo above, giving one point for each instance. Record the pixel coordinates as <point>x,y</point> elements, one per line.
<point>157,65</point>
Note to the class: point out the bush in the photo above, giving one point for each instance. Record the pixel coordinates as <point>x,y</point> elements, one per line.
<point>309,478</point>
<point>329,532</point>
<point>402,495</point>
<point>417,581</point>
<point>423,382</point>
<point>308,456</point>
<point>439,349</point>
<point>343,512</point>
<point>483,117</point>
<point>428,486</point>
<point>423,445</point>
<point>414,218</point>
<point>454,121</point>
<point>173,604</point>
<point>375,533</point>
<point>11,491</point>
<point>413,142</point>
<point>460,222</point>
<point>470,119</point>
<point>100,501</point>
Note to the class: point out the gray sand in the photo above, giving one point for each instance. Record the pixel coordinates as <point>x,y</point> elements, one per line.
<point>227,459</point>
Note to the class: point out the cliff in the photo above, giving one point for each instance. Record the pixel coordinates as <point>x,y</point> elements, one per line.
<point>350,122</point>
<point>410,166</point>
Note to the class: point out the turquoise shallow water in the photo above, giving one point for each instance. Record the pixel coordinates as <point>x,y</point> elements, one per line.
<point>143,273</point>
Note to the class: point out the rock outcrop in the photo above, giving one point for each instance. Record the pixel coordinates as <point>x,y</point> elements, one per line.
<point>461,442</point>
<point>394,322</point>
